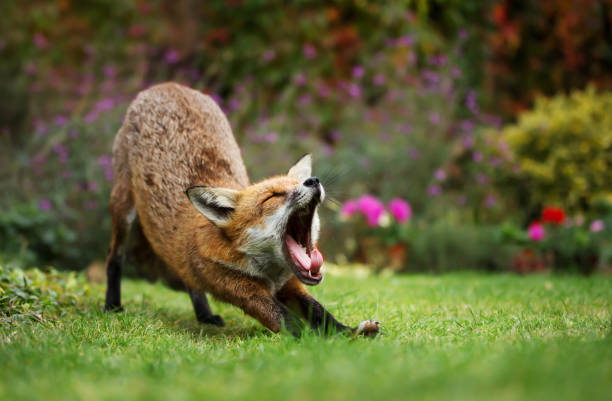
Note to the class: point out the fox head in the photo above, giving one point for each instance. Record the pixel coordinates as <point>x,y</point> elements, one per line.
<point>273,223</point>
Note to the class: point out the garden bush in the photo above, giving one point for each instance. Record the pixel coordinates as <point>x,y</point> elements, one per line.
<point>35,296</point>
<point>563,152</point>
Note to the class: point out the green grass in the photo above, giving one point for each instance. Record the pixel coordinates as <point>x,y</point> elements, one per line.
<point>452,337</point>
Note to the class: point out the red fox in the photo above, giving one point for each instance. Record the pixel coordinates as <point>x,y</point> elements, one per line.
<point>183,210</point>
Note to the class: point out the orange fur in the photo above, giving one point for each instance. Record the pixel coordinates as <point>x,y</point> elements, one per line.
<point>173,138</point>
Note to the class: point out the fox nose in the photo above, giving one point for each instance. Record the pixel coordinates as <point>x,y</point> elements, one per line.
<point>312,182</point>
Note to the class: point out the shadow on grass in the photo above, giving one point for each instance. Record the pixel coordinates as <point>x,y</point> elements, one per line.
<point>180,321</point>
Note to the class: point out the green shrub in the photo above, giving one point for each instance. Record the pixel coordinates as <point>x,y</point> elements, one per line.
<point>34,295</point>
<point>563,151</point>
<point>446,246</point>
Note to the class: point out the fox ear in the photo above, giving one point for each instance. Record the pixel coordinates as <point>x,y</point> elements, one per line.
<point>216,204</point>
<point>302,169</point>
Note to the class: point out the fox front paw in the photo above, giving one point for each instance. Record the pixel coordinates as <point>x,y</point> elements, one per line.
<point>368,328</point>
<point>215,320</point>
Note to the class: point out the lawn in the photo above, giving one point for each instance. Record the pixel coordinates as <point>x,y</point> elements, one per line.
<point>455,337</point>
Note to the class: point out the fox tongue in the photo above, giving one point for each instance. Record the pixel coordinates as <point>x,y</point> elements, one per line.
<point>299,255</point>
<point>316,261</point>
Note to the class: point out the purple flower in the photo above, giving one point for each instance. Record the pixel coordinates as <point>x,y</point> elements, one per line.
<point>309,51</point>
<point>354,90</point>
<point>40,41</point>
<point>405,41</point>
<point>104,104</point>
<point>91,117</point>
<point>462,33</point>
<point>596,226</point>
<point>40,127</point>
<point>109,71</point>
<point>30,69</point>
<point>477,157</point>
<point>455,72</point>
<point>300,79</point>
<point>172,56</point>
<point>323,90</point>
<point>60,120</point>
<point>400,210</point>
<point>461,200</point>
<point>304,100</point>
<point>467,125</point>
<point>358,71</point>
<point>104,161</point>
<point>434,118</point>
<point>372,209</point>
<point>92,186</point>
<point>269,55</point>
<point>218,99</point>
<point>271,137</point>
<point>440,174</point>
<point>471,102</point>
<point>44,204</point>
<point>482,179</point>
<point>434,190</point>
<point>490,201</point>
<point>233,104</point>
<point>379,79</point>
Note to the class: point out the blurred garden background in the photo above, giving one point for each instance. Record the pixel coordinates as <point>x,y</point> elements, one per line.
<point>449,134</point>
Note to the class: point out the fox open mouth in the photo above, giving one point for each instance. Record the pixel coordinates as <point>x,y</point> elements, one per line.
<point>305,259</point>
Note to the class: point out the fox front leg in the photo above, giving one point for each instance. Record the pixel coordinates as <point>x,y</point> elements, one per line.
<point>294,294</point>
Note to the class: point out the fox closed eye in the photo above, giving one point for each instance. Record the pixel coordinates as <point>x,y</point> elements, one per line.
<point>274,195</point>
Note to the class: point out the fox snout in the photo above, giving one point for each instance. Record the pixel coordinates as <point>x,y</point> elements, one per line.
<point>310,192</point>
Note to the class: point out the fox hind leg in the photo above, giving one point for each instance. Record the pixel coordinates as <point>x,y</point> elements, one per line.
<point>202,309</point>
<point>122,214</point>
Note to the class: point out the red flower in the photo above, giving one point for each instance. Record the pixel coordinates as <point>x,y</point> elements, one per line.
<point>552,214</point>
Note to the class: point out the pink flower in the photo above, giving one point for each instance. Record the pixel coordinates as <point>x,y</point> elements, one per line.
<point>440,174</point>
<point>44,204</point>
<point>269,55</point>
<point>434,118</point>
<point>358,71</point>
<point>372,209</point>
<point>309,51</point>
<point>379,79</point>
<point>400,210</point>
<point>536,231</point>
<point>349,208</point>
<point>172,56</point>
<point>596,226</point>
<point>434,190</point>
<point>354,90</point>
<point>40,41</point>
<point>300,79</point>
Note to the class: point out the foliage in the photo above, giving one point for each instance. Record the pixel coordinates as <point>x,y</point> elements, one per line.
<point>388,95</point>
<point>563,151</point>
<point>34,295</point>
<point>571,243</point>
<point>543,47</point>
<point>462,337</point>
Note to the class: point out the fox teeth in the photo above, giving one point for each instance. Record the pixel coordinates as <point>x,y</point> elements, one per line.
<point>309,273</point>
